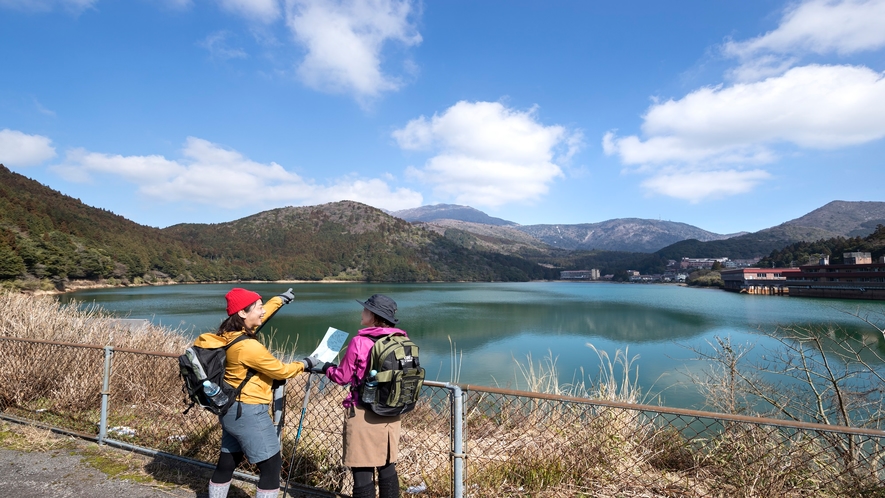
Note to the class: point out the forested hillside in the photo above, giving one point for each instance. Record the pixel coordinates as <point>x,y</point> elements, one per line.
<point>835,219</point>
<point>751,245</point>
<point>47,235</point>
<point>802,253</point>
<point>49,238</point>
<point>345,240</point>
<point>844,218</point>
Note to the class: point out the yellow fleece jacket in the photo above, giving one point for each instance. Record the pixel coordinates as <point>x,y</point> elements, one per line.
<point>252,354</point>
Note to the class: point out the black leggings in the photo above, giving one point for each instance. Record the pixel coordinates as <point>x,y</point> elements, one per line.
<point>268,470</point>
<point>363,476</point>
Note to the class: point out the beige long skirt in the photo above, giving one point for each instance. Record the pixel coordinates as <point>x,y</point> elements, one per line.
<point>370,440</point>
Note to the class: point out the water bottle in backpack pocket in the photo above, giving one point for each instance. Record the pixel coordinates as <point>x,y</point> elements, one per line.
<point>370,388</point>
<point>214,393</point>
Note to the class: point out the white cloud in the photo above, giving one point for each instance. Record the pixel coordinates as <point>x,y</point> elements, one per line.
<point>265,11</point>
<point>216,44</point>
<point>815,107</point>
<point>75,6</point>
<point>711,142</point>
<point>819,27</point>
<point>761,67</point>
<point>20,149</point>
<point>344,40</point>
<point>210,174</point>
<point>697,186</point>
<point>137,169</point>
<point>818,107</point>
<point>487,154</point>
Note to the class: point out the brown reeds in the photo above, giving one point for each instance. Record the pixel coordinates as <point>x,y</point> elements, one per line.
<point>516,444</point>
<point>43,317</point>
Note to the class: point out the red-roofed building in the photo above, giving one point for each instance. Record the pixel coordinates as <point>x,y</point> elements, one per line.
<point>758,280</point>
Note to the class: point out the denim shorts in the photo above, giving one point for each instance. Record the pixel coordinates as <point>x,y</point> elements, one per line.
<point>253,433</point>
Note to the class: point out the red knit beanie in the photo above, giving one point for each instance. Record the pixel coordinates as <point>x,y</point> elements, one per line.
<point>239,299</point>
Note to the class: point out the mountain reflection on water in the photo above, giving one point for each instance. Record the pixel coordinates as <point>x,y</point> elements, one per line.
<point>495,325</point>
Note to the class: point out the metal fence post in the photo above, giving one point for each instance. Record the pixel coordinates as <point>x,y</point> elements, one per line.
<point>457,440</point>
<point>105,393</point>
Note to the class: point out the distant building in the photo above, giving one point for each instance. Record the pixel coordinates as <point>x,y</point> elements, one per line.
<point>741,263</point>
<point>592,274</point>
<point>757,280</point>
<point>857,278</point>
<point>700,263</point>
<point>856,258</point>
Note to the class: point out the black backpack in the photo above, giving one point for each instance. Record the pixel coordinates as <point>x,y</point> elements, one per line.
<point>400,375</point>
<point>198,364</point>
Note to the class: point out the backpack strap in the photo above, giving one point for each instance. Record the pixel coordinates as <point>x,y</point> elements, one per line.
<point>369,359</point>
<point>249,374</point>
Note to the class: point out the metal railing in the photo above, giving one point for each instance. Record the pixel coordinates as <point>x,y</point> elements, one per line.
<point>461,440</point>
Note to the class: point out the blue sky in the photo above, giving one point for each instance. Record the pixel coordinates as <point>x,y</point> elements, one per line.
<point>730,116</point>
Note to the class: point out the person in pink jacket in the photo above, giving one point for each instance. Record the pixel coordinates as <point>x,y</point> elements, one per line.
<point>371,441</point>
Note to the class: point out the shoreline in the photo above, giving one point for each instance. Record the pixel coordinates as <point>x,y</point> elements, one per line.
<point>78,285</point>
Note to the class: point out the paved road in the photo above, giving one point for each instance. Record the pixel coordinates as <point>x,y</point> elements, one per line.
<point>67,473</point>
<point>62,473</point>
<point>40,464</point>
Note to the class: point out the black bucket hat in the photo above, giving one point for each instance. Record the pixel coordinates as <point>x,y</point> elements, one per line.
<point>382,306</point>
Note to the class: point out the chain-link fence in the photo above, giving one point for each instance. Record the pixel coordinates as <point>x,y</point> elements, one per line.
<point>459,441</point>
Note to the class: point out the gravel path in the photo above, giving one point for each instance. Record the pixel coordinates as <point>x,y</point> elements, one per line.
<point>35,463</point>
<point>62,473</point>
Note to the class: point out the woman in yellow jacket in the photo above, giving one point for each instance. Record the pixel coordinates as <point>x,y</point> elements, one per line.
<point>247,427</point>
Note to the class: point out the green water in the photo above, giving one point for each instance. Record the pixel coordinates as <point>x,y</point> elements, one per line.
<point>494,325</point>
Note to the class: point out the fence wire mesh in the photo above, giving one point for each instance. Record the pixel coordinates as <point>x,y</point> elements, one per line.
<point>523,444</point>
<point>38,386</point>
<point>515,443</point>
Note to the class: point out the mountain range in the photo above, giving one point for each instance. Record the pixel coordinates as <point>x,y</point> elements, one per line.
<point>835,219</point>
<point>439,212</point>
<point>46,236</point>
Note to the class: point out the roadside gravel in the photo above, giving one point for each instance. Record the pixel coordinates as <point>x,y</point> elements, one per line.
<point>38,463</point>
<point>63,474</point>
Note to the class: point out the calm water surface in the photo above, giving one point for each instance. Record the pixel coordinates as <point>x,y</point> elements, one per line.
<point>494,325</point>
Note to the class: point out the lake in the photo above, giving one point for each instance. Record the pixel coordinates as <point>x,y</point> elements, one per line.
<point>495,325</point>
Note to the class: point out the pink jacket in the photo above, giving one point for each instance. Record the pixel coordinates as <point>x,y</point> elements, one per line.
<point>352,369</point>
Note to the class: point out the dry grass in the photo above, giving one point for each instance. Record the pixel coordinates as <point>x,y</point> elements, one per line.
<point>43,317</point>
<point>523,446</point>
<point>517,445</point>
<point>31,438</point>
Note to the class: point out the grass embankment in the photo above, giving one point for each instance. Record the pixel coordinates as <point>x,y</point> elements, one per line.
<point>517,445</point>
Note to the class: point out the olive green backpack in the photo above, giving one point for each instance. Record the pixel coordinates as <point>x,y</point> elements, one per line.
<point>400,375</point>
